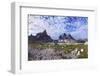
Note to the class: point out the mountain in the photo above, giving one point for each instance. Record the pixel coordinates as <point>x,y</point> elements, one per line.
<point>82,40</point>
<point>69,38</point>
<point>66,36</point>
<point>42,37</point>
<point>31,38</point>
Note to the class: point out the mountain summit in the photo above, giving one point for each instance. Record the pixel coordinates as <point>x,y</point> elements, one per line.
<point>42,36</point>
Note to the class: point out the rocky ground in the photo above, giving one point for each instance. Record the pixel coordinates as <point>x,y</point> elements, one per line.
<point>50,54</point>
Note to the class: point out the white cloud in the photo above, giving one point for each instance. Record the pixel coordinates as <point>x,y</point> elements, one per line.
<point>37,25</point>
<point>55,27</point>
<point>81,33</point>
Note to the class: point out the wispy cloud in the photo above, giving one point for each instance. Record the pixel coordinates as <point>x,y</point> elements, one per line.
<point>57,25</point>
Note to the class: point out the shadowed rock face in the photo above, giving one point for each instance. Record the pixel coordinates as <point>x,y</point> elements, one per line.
<point>66,36</point>
<point>42,36</point>
<point>48,54</point>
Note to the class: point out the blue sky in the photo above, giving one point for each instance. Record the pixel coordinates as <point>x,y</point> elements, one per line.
<point>57,25</point>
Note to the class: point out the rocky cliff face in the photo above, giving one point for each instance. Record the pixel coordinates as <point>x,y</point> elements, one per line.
<point>66,36</point>
<point>42,36</point>
<point>70,38</point>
